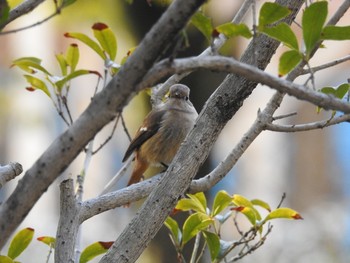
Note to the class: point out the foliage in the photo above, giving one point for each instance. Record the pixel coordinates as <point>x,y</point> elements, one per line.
<point>206,222</point>
<point>24,237</point>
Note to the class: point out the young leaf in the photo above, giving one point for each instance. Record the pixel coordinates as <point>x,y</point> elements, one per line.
<point>288,61</point>
<point>29,64</point>
<point>94,250</point>
<point>37,84</point>
<point>88,41</point>
<point>249,212</point>
<point>246,207</point>
<point>313,20</point>
<point>283,212</point>
<point>213,242</point>
<point>63,63</point>
<point>72,56</point>
<point>5,259</point>
<point>106,38</point>
<point>175,231</point>
<point>193,224</point>
<point>261,203</point>
<point>195,202</point>
<point>221,201</point>
<point>73,75</point>
<point>271,13</point>
<point>342,90</point>
<point>283,33</point>
<point>336,33</point>
<point>232,30</point>
<point>50,241</point>
<point>20,242</point>
<point>203,24</point>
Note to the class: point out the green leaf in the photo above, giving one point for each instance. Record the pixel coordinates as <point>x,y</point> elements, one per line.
<point>4,11</point>
<point>342,90</point>
<point>261,203</point>
<point>195,202</point>
<point>5,259</point>
<point>72,56</point>
<point>283,212</point>
<point>63,63</point>
<point>313,20</point>
<point>221,201</point>
<point>246,207</point>
<point>94,250</point>
<point>232,30</point>
<point>338,92</point>
<point>20,242</point>
<point>193,224</point>
<point>37,83</point>
<point>50,241</point>
<point>29,64</point>
<point>59,84</point>
<point>288,61</point>
<point>203,24</point>
<point>271,13</point>
<point>175,231</point>
<point>106,38</point>
<point>88,41</point>
<point>283,33</point>
<point>336,33</point>
<point>213,242</point>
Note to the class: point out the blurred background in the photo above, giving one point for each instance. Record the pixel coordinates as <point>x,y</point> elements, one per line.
<point>312,168</point>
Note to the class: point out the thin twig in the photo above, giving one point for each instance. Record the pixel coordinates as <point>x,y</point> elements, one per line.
<point>125,128</point>
<point>195,248</point>
<point>325,66</point>
<point>307,126</point>
<point>109,137</point>
<point>284,195</point>
<point>284,116</point>
<point>32,25</point>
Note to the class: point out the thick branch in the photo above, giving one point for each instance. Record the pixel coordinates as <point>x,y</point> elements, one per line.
<point>103,109</point>
<point>8,172</point>
<point>220,108</point>
<point>68,224</point>
<point>230,65</point>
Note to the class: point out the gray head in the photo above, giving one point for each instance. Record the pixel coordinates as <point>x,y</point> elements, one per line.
<point>179,91</point>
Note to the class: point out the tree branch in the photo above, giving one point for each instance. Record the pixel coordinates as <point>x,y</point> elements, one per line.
<point>230,65</point>
<point>68,224</point>
<point>103,108</point>
<point>23,8</point>
<point>9,172</point>
<point>307,126</point>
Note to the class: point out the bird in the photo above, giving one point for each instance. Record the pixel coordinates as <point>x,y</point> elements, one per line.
<point>163,130</point>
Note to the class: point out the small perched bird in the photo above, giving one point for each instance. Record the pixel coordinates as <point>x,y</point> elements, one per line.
<point>162,132</point>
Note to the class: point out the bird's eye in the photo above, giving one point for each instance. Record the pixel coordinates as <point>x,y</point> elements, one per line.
<point>186,98</point>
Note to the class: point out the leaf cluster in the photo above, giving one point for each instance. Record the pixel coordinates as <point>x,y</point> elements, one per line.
<point>24,237</point>
<point>208,222</point>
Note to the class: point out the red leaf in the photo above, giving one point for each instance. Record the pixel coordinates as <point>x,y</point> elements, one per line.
<point>31,89</point>
<point>74,45</point>
<point>99,26</point>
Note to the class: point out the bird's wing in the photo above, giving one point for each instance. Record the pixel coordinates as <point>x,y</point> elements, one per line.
<point>149,127</point>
